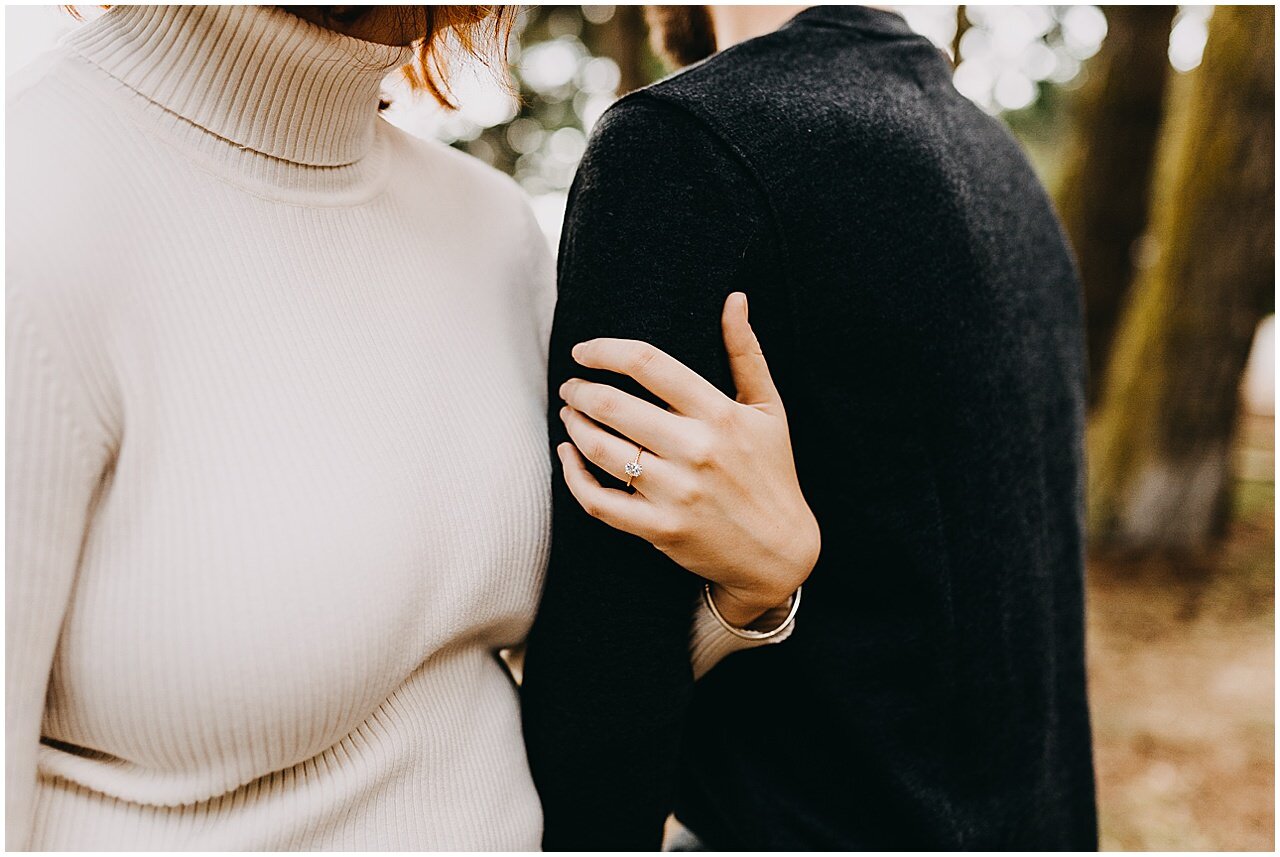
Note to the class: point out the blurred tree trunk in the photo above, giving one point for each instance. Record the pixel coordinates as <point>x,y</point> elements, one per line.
<point>1106,184</point>
<point>962,27</point>
<point>624,39</point>
<point>1161,439</point>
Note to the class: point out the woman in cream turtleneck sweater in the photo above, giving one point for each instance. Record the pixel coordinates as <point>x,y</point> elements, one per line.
<point>277,467</point>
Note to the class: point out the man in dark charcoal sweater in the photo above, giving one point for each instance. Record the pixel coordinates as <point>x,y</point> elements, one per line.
<point>919,309</point>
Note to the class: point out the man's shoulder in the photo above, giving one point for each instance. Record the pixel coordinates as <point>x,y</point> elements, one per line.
<point>643,123</point>
<point>814,91</point>
<point>707,99</point>
<point>832,106</point>
<point>645,143</point>
<point>799,88</point>
<point>786,73</point>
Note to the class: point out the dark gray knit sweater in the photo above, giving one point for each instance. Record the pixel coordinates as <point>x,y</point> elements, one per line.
<point>919,309</point>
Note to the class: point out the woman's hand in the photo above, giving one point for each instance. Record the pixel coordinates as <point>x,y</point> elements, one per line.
<point>718,491</point>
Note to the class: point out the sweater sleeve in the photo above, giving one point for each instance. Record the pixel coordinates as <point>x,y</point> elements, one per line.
<point>663,221</point>
<point>710,643</point>
<point>56,451</point>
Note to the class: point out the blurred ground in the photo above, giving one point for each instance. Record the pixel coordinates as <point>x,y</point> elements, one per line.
<point>1182,683</point>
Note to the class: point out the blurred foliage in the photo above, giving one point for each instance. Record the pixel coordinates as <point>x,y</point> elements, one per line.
<point>570,62</point>
<point>567,65</point>
<point>573,62</point>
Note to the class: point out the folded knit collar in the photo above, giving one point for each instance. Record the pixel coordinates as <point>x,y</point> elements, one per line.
<point>256,76</point>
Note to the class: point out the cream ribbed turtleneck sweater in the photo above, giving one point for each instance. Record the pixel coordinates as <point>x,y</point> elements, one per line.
<point>277,474</point>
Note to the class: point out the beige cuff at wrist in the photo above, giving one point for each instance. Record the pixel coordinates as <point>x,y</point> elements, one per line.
<point>711,643</point>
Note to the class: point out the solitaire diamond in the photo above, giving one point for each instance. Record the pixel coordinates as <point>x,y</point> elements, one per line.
<point>633,469</point>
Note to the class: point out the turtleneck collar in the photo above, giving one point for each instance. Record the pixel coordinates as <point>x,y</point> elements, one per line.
<point>256,76</point>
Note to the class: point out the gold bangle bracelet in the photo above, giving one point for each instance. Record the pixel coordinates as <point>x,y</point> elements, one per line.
<point>746,633</point>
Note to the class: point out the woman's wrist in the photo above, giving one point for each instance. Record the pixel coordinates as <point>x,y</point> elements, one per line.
<point>743,605</point>
<point>743,609</point>
<point>793,563</point>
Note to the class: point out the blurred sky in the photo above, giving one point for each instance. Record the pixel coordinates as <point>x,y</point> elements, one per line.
<point>1006,58</point>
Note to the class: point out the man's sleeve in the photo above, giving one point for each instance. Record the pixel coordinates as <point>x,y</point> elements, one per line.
<point>663,223</point>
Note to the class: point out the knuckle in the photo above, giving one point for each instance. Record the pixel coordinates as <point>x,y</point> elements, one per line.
<point>605,404</point>
<point>641,358</point>
<point>702,452</point>
<point>669,531</point>
<point>592,508</point>
<point>689,494</point>
<point>725,417</point>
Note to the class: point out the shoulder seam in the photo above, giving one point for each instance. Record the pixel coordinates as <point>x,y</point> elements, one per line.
<point>13,97</point>
<point>724,139</point>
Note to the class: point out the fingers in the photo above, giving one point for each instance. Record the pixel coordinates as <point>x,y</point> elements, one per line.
<point>603,449</point>
<point>746,361</point>
<point>655,370</point>
<point>630,513</point>
<point>647,424</point>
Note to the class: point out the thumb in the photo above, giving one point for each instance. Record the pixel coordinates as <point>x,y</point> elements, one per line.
<point>750,372</point>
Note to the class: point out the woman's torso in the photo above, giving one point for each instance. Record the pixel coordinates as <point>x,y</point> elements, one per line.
<point>326,509</point>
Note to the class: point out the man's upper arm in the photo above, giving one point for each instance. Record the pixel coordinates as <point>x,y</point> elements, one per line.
<point>661,221</point>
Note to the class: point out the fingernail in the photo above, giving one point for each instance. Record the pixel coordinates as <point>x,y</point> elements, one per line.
<point>576,350</point>
<point>564,413</point>
<point>745,313</point>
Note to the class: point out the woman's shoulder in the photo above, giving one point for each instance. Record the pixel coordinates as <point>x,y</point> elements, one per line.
<point>53,165</point>
<point>480,199</point>
<point>31,82</point>
<point>55,97</point>
<point>39,111</point>
<point>59,164</point>
<point>65,143</point>
<point>450,169</point>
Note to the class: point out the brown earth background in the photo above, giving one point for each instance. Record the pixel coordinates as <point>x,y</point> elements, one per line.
<point>1182,682</point>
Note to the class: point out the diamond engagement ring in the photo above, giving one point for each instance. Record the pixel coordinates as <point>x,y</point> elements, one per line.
<point>634,468</point>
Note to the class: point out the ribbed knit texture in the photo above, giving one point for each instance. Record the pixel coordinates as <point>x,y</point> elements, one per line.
<point>277,470</point>
<point>277,465</point>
